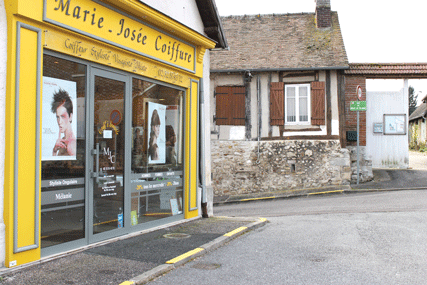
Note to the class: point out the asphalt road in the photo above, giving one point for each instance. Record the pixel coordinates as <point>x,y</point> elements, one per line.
<point>365,238</point>
<point>394,201</point>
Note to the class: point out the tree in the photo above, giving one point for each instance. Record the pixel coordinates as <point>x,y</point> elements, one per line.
<point>412,100</point>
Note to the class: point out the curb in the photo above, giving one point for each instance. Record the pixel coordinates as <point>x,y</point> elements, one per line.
<point>308,194</point>
<point>284,195</point>
<point>190,255</point>
<point>361,190</point>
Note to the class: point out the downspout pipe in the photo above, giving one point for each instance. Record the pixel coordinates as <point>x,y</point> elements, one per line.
<point>3,69</point>
<point>203,151</point>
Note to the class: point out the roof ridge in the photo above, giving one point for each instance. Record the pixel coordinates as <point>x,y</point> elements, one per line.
<point>267,15</point>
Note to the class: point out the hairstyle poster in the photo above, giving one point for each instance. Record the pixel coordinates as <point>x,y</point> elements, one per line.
<point>173,132</point>
<point>156,133</point>
<point>59,119</point>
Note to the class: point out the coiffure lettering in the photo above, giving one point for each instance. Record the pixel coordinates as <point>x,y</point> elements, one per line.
<point>124,29</point>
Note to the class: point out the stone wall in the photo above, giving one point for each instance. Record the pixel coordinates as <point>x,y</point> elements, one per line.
<point>239,168</point>
<point>365,165</point>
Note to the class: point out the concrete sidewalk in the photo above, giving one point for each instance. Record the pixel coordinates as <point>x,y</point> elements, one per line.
<point>136,259</point>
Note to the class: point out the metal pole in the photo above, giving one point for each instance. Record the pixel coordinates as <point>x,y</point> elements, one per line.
<point>357,147</point>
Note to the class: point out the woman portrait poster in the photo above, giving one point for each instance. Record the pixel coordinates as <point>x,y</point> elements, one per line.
<point>59,119</point>
<point>156,133</point>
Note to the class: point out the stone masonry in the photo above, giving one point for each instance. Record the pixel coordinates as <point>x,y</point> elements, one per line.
<point>238,167</point>
<point>365,166</point>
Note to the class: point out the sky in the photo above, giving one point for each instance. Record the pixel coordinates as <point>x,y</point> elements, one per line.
<point>373,30</point>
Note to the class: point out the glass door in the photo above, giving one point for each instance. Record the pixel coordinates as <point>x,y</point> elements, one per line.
<point>108,154</point>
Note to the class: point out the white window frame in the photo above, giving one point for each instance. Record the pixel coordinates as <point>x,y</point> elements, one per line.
<point>297,97</point>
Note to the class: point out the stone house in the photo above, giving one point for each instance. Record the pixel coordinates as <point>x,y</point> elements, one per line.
<point>417,124</point>
<point>278,103</point>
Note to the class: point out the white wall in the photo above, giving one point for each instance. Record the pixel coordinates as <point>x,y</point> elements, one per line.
<point>423,131</point>
<point>335,124</point>
<point>206,131</point>
<point>3,56</point>
<point>265,106</point>
<point>386,151</point>
<point>182,11</point>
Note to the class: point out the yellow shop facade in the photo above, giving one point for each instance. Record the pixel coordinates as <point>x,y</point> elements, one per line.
<point>102,123</point>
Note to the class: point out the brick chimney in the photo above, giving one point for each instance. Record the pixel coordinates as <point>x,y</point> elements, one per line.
<point>323,14</point>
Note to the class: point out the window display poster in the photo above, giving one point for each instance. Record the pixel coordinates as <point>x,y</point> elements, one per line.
<point>157,133</point>
<point>172,131</point>
<point>59,119</point>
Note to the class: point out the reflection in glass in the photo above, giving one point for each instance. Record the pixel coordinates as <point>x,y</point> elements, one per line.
<point>109,162</point>
<point>63,172</point>
<point>157,151</point>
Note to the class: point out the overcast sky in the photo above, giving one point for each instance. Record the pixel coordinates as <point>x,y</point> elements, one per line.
<point>373,30</point>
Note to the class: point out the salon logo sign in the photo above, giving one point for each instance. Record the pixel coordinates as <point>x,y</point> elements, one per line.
<point>102,23</point>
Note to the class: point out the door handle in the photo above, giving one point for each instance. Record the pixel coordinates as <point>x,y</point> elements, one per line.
<point>95,174</point>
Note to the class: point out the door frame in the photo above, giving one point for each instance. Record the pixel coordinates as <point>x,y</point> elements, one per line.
<point>127,116</point>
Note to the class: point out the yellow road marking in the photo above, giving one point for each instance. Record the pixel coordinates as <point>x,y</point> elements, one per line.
<point>254,199</point>
<point>185,255</point>
<point>238,230</point>
<point>127,283</point>
<point>327,192</point>
<point>156,214</point>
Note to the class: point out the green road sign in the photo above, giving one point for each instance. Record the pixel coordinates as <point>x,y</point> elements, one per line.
<point>358,106</point>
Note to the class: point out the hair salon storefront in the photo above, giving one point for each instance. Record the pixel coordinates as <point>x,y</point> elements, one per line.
<point>101,123</point>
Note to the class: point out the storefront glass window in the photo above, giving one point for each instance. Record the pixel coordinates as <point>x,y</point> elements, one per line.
<point>157,151</point>
<point>63,151</point>
<point>109,140</point>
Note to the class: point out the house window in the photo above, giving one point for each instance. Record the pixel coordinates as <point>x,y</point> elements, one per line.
<point>297,104</point>
<point>230,105</point>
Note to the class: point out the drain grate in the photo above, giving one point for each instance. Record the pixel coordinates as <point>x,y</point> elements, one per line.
<point>177,236</point>
<point>206,266</point>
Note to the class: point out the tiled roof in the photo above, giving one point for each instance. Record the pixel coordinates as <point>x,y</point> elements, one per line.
<point>388,69</point>
<point>419,112</point>
<point>284,41</point>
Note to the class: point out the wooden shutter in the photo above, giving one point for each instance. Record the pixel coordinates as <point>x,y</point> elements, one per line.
<point>230,105</point>
<point>238,110</point>
<point>277,103</point>
<point>223,96</point>
<point>318,103</point>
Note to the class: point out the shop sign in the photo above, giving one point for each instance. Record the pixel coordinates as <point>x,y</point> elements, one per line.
<point>61,196</point>
<point>74,46</point>
<point>99,21</point>
<point>153,185</point>
<point>63,182</point>
<point>158,174</point>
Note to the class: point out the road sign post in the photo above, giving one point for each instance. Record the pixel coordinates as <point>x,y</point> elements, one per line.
<point>358,169</point>
<point>358,106</point>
